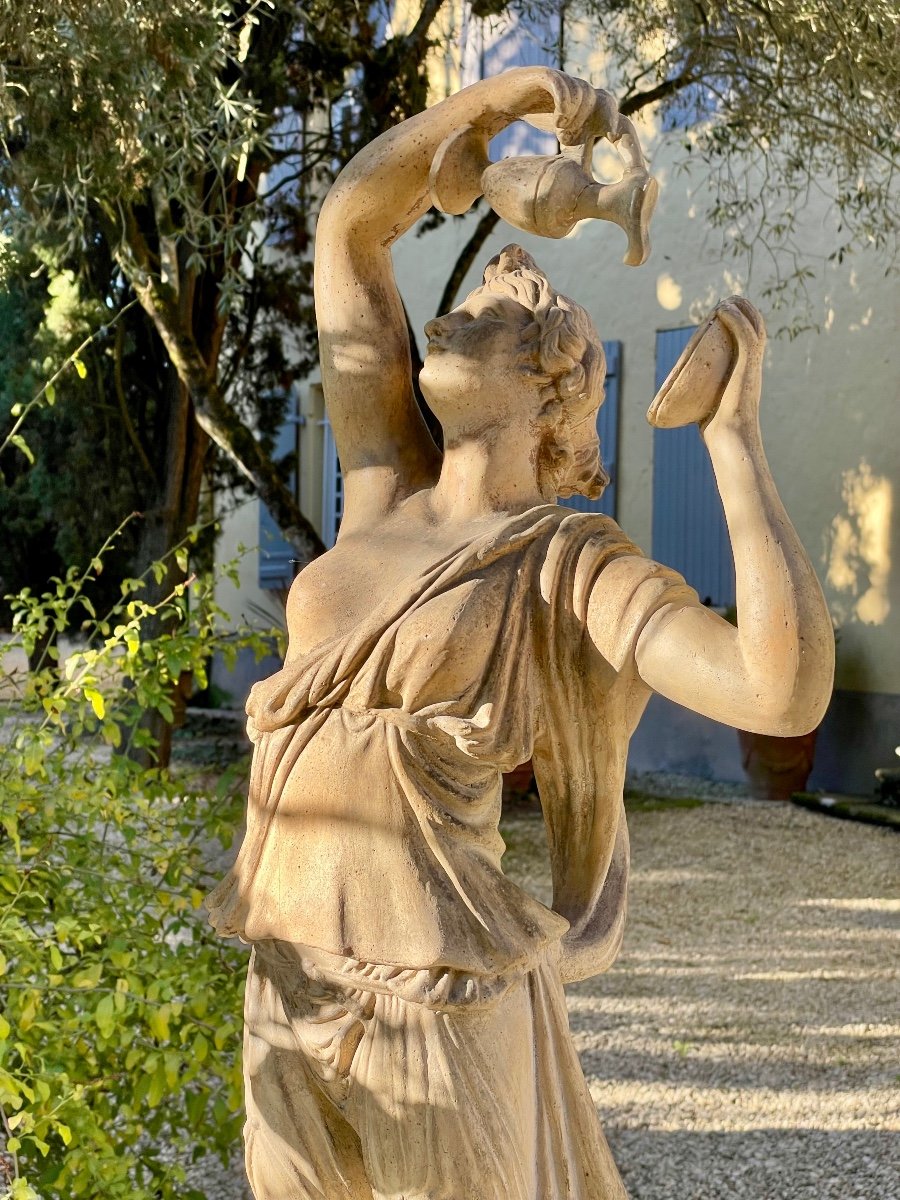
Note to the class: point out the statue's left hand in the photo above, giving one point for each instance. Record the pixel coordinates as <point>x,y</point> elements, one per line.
<point>581,111</point>
<point>719,373</point>
<point>746,330</point>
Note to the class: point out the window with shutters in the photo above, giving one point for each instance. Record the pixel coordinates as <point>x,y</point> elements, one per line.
<point>489,46</point>
<point>608,432</point>
<point>276,565</point>
<point>332,488</point>
<point>689,531</point>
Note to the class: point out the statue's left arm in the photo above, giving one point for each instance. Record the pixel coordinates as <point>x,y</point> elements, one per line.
<point>772,674</point>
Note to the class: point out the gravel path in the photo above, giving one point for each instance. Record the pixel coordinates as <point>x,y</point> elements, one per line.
<point>747,1042</point>
<point>746,1045</point>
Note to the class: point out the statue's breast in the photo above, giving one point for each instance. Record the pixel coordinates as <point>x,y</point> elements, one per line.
<point>448,647</point>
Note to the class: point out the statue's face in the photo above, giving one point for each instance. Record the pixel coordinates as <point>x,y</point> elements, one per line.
<point>475,354</point>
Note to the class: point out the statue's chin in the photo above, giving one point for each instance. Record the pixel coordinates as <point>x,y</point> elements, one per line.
<point>438,384</point>
<point>426,383</point>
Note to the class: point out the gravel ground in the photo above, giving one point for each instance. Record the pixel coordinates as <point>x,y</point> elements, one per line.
<point>747,1042</point>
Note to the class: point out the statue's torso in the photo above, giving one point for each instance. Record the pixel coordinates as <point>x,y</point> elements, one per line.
<point>341,588</point>
<point>375,794</point>
<point>385,840</point>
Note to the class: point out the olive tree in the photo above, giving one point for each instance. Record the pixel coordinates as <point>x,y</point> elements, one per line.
<point>783,100</point>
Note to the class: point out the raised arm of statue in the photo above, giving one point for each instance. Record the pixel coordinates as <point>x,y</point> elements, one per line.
<point>406,1024</point>
<point>772,674</point>
<point>384,447</point>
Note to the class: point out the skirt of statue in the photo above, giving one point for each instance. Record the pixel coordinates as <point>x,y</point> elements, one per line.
<point>371,1082</point>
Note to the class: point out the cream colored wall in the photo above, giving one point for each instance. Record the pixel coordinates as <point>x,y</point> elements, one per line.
<point>831,417</point>
<point>239,539</point>
<point>238,543</point>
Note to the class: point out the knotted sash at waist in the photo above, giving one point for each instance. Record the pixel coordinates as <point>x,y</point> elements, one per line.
<point>436,988</point>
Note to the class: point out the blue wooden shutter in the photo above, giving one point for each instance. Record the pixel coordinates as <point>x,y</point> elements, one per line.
<point>491,45</point>
<point>608,432</point>
<point>276,568</point>
<point>332,487</point>
<point>689,531</point>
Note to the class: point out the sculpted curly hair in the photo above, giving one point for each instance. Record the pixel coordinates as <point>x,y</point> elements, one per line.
<point>569,362</point>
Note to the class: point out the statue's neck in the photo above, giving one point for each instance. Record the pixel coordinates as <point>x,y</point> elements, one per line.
<point>487,474</point>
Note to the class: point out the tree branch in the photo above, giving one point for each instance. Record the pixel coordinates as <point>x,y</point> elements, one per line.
<point>667,88</point>
<point>218,419</point>
<point>467,256</point>
<point>418,35</point>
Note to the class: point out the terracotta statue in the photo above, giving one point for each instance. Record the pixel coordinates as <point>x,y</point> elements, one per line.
<point>406,1029</point>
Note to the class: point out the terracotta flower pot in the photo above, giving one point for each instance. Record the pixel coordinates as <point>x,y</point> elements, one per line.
<point>777,766</point>
<point>517,783</point>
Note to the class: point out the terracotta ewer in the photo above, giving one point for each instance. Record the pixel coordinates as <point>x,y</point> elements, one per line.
<point>549,194</point>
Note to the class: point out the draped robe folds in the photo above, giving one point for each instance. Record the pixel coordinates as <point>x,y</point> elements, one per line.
<point>376,779</point>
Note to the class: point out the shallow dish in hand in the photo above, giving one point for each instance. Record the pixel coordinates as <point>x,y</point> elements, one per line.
<point>693,388</point>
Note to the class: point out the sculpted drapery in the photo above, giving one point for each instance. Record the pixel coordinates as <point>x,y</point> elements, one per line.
<point>405,1025</point>
<point>374,741</point>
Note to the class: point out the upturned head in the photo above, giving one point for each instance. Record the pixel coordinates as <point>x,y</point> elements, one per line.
<point>516,356</point>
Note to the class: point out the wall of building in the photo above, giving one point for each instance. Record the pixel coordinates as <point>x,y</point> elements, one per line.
<point>241,596</point>
<point>830,418</point>
<point>831,423</point>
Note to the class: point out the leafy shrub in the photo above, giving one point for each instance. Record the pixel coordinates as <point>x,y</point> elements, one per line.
<point>119,1034</point>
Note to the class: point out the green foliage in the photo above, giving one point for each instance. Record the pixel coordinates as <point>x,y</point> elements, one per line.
<point>784,103</point>
<point>63,429</point>
<point>132,143</point>
<point>152,96</point>
<point>119,1033</point>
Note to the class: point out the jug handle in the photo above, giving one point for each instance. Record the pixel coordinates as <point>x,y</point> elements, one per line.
<point>454,181</point>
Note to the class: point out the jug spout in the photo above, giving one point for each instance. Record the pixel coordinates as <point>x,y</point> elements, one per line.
<point>629,203</point>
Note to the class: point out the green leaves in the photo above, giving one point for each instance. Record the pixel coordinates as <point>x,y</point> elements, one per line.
<point>89,978</point>
<point>98,704</point>
<point>16,439</point>
<point>105,1016</point>
<point>142,92</point>
<point>119,1028</point>
<point>21,1189</point>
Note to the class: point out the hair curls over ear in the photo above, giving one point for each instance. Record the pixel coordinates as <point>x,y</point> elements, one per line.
<point>569,362</point>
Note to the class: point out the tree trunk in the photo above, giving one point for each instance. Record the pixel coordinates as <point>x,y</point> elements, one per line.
<point>219,420</point>
<point>165,525</point>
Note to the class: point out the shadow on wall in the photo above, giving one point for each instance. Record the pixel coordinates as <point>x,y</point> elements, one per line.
<point>858,734</point>
<point>671,738</point>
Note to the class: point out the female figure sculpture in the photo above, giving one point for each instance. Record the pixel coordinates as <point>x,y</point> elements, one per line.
<point>406,1034</point>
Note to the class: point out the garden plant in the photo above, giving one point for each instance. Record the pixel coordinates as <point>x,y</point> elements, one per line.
<point>119,1051</point>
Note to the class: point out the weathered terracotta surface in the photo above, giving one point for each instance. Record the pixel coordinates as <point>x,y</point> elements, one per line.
<point>776,767</point>
<point>406,1033</point>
